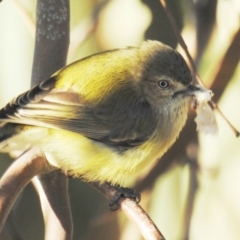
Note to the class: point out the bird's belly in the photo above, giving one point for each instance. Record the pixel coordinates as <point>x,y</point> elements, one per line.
<point>94,161</point>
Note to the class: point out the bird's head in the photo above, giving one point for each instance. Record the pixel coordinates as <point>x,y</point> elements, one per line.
<point>165,77</point>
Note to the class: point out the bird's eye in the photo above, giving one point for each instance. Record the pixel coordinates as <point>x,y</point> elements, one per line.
<point>163,84</point>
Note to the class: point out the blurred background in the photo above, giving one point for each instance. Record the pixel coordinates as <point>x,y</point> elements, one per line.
<point>194,191</point>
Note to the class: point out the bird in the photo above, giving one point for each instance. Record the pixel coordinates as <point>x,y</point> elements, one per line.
<point>105,117</point>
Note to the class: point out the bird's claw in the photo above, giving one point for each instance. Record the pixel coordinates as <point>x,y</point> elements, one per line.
<point>122,193</point>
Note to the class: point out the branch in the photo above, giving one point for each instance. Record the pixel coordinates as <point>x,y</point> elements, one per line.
<point>52,189</point>
<point>205,16</point>
<point>180,38</point>
<point>133,211</point>
<point>17,176</point>
<point>227,67</point>
<point>52,39</point>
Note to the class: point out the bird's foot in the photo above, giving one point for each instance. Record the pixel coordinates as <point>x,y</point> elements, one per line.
<point>122,192</point>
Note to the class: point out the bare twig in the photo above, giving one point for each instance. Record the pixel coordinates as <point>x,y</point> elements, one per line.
<point>180,40</point>
<point>205,17</point>
<point>55,204</point>
<point>139,217</point>
<point>193,185</point>
<point>227,67</point>
<point>133,211</point>
<point>18,175</point>
<point>214,106</point>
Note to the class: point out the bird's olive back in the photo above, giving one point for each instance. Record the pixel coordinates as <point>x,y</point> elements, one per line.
<point>99,76</point>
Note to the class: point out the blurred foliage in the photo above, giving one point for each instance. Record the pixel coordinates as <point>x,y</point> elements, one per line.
<point>215,212</point>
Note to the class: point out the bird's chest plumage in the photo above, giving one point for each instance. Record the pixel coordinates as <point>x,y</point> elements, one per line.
<point>167,131</point>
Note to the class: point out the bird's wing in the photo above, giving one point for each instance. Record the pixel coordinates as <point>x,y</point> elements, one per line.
<point>122,122</point>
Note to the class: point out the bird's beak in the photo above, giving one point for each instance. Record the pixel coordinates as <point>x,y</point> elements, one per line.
<point>192,89</point>
<point>189,91</point>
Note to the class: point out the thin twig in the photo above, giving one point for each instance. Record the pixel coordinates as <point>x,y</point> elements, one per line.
<point>181,40</point>
<point>227,65</point>
<point>55,203</point>
<point>215,107</point>
<point>133,211</point>
<point>193,186</point>
<point>205,19</point>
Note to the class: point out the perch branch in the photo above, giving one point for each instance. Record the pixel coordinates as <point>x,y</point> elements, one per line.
<point>133,211</point>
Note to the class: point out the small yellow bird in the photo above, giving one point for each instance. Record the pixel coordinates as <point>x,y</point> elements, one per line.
<point>104,117</point>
